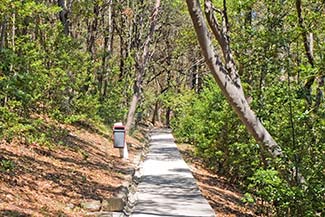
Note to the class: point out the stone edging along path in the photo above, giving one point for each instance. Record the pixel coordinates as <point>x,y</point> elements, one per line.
<point>122,203</point>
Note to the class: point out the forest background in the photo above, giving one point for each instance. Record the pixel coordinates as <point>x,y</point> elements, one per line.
<point>90,60</point>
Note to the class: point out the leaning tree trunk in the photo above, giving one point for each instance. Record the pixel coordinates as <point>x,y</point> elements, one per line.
<point>141,64</point>
<point>228,80</point>
<point>227,77</point>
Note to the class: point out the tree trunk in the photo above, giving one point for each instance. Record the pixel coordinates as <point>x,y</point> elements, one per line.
<point>2,46</point>
<point>108,48</point>
<point>141,64</point>
<point>168,114</point>
<point>304,33</point>
<point>228,83</point>
<point>155,113</point>
<point>3,33</point>
<point>64,16</point>
<point>92,30</point>
<point>13,38</point>
<point>308,45</point>
<point>134,101</point>
<point>91,45</point>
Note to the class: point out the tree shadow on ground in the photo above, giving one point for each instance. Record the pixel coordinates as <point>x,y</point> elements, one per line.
<point>13,213</point>
<point>82,147</point>
<point>66,179</point>
<point>58,175</point>
<point>90,128</point>
<point>189,156</point>
<point>164,153</point>
<point>221,195</point>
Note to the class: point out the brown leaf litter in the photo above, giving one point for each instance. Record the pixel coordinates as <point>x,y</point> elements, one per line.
<point>54,181</point>
<point>223,197</point>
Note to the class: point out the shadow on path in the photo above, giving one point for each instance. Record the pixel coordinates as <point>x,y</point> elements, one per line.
<point>167,186</point>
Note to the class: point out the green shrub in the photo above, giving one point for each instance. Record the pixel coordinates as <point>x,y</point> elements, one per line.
<point>7,165</point>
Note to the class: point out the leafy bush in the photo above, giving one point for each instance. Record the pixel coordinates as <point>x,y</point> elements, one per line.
<point>207,121</point>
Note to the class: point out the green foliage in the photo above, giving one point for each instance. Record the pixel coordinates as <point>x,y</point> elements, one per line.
<point>45,71</point>
<point>7,165</point>
<point>207,121</point>
<point>267,185</point>
<point>113,107</point>
<point>11,125</point>
<point>248,198</point>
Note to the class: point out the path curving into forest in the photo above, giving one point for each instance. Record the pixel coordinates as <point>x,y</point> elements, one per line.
<point>167,186</point>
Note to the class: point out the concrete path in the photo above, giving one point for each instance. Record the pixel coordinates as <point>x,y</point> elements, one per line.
<point>167,186</point>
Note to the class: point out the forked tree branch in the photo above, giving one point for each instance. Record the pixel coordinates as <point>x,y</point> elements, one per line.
<point>220,33</point>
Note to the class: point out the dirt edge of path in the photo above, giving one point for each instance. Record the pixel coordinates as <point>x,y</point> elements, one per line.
<point>224,198</point>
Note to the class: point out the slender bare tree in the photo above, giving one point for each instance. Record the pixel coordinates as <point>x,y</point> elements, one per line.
<point>141,62</point>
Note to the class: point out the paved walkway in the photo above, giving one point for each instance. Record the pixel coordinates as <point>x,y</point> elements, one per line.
<point>167,186</point>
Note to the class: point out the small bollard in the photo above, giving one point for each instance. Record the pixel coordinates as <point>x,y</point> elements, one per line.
<point>119,134</point>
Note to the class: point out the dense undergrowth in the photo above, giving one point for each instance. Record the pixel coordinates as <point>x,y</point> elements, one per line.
<point>206,121</point>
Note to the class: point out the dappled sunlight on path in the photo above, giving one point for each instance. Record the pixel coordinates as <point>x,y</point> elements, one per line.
<point>167,187</point>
